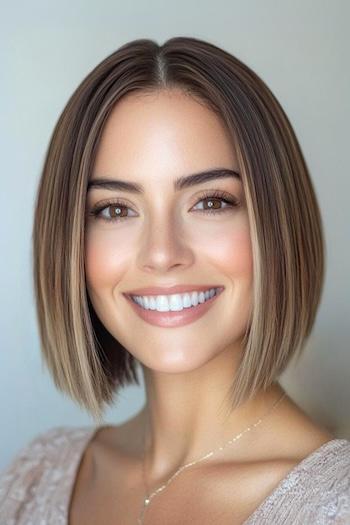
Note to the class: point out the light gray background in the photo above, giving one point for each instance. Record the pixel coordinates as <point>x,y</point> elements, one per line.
<point>299,47</point>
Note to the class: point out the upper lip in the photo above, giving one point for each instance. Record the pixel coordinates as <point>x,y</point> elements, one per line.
<point>178,288</point>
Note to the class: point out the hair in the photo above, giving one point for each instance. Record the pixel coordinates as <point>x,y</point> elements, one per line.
<point>84,359</point>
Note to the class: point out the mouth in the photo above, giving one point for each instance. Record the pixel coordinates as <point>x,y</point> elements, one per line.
<point>169,290</point>
<point>176,309</point>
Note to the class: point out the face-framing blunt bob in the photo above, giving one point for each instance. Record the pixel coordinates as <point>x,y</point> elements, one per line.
<point>286,230</point>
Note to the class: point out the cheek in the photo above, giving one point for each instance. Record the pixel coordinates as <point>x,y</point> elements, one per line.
<point>235,255</point>
<point>229,248</point>
<point>105,262</point>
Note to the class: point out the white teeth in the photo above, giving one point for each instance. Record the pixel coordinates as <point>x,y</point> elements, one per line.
<point>174,302</point>
<point>162,304</point>
<point>194,299</point>
<point>152,303</point>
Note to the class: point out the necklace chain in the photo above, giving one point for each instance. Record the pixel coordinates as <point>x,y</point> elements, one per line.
<point>149,497</point>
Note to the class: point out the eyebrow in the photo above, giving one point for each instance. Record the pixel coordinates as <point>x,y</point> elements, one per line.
<point>179,183</point>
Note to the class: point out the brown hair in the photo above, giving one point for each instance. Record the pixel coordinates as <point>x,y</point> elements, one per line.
<point>286,231</point>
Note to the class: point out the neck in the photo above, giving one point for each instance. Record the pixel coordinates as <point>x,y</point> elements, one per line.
<point>188,415</point>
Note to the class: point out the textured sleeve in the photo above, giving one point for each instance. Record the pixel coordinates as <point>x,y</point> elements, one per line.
<point>333,493</point>
<point>20,480</point>
<point>315,492</point>
<point>336,510</point>
<point>324,495</point>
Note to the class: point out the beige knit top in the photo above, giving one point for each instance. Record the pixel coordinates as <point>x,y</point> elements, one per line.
<point>36,487</point>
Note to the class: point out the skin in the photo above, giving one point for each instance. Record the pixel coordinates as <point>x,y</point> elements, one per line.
<point>152,139</point>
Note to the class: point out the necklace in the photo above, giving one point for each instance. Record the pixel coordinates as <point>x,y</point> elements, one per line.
<point>149,497</point>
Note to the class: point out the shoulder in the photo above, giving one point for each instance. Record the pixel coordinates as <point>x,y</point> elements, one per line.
<point>37,469</point>
<point>316,490</point>
<point>318,487</point>
<point>330,481</point>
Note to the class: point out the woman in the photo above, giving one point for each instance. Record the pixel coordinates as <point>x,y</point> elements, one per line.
<point>176,227</point>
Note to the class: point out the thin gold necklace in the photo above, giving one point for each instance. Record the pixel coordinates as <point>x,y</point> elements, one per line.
<point>149,497</point>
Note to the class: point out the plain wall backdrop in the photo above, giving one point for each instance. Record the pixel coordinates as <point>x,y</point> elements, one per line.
<point>300,48</point>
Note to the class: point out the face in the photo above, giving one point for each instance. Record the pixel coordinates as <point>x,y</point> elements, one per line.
<point>195,235</point>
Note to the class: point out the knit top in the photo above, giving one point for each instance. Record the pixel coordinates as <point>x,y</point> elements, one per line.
<point>36,487</point>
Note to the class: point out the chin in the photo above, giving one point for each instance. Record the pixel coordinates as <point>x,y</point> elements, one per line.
<point>175,362</point>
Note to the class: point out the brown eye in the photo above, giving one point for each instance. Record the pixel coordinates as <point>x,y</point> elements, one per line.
<point>216,203</point>
<point>117,210</point>
<point>213,203</point>
<point>111,211</point>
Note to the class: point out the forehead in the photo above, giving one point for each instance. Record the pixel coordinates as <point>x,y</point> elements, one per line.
<point>163,133</point>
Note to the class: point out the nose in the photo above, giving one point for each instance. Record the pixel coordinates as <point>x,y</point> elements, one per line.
<point>164,246</point>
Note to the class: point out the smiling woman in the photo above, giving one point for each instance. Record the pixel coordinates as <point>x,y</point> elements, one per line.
<point>177,228</point>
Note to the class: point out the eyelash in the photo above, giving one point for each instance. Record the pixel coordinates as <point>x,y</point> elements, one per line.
<point>220,195</point>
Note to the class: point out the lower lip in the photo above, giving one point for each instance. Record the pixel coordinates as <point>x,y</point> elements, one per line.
<point>172,319</point>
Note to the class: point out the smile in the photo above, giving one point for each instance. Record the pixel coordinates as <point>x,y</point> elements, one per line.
<point>174,302</point>
<point>176,309</point>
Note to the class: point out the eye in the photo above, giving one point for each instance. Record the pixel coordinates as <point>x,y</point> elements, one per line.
<point>213,202</point>
<point>110,211</point>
